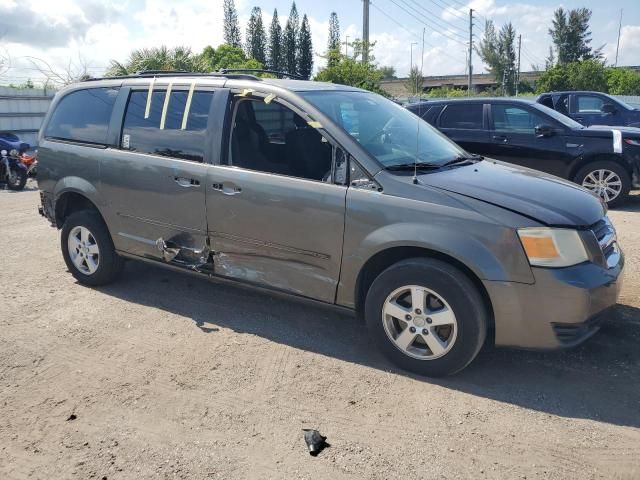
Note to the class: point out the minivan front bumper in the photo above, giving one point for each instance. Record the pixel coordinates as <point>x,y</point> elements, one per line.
<point>562,308</point>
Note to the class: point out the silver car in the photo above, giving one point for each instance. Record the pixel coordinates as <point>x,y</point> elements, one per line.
<point>331,193</point>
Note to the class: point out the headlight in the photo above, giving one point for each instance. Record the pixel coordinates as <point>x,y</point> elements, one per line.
<point>552,247</point>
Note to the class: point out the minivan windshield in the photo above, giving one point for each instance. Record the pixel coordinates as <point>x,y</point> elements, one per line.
<point>389,132</point>
<point>563,119</point>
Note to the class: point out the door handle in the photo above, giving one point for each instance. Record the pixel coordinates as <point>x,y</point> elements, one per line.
<point>500,138</point>
<point>226,189</point>
<point>186,182</point>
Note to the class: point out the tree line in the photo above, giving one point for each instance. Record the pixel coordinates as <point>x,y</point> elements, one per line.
<point>572,64</point>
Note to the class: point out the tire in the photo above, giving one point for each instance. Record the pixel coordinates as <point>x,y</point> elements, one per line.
<point>21,180</point>
<point>94,269</point>
<point>459,295</point>
<point>588,176</point>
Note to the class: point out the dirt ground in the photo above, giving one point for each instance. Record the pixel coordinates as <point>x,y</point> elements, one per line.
<point>164,375</point>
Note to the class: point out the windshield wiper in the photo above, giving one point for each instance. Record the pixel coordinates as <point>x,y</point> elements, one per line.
<point>411,166</point>
<point>463,159</point>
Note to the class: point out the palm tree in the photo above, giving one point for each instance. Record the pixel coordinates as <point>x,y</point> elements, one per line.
<point>158,58</point>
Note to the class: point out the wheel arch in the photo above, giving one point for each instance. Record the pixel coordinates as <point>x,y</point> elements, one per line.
<point>599,157</point>
<point>382,260</point>
<point>72,194</point>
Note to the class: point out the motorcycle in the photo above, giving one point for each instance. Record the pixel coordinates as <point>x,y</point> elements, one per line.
<point>31,162</point>
<point>13,172</point>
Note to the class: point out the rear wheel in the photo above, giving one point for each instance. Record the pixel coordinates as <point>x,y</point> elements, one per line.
<point>88,250</point>
<point>426,316</point>
<point>17,179</point>
<point>607,179</point>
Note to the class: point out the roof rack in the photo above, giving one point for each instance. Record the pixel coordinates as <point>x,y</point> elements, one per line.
<point>177,73</point>
<point>260,70</point>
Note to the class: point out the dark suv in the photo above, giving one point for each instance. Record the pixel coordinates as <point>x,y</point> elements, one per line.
<point>592,108</point>
<point>601,159</point>
<point>330,193</point>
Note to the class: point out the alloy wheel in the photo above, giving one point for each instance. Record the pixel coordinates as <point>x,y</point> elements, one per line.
<point>605,183</point>
<point>419,322</point>
<point>83,250</point>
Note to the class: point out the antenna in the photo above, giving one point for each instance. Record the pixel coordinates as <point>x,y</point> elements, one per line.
<point>415,159</point>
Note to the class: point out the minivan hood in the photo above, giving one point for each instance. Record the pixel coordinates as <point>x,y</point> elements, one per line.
<point>540,196</point>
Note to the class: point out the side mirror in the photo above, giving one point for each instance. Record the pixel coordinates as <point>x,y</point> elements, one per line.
<point>608,108</point>
<point>544,131</point>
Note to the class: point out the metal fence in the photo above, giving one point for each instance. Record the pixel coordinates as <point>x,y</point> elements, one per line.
<point>22,111</point>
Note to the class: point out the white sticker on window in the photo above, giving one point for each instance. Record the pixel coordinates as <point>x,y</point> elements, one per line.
<point>126,140</point>
<point>617,141</point>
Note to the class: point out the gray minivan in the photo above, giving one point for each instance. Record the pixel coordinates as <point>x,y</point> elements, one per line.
<point>331,193</point>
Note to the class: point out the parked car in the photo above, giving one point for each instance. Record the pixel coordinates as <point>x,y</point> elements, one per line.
<point>331,193</point>
<point>592,108</point>
<point>603,160</point>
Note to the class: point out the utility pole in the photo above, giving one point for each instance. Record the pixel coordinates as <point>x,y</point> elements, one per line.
<point>346,45</point>
<point>518,74</point>
<point>470,82</point>
<point>618,44</point>
<point>365,31</point>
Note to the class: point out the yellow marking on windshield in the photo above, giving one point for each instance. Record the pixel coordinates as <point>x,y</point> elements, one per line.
<point>165,107</point>
<point>187,107</point>
<point>147,109</point>
<point>314,124</point>
<point>245,92</point>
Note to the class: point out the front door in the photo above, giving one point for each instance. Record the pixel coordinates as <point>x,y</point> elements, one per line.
<point>588,110</point>
<point>275,212</point>
<point>155,181</point>
<point>514,139</point>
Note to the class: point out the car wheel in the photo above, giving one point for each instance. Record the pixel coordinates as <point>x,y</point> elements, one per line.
<point>88,250</point>
<point>609,180</point>
<point>426,316</point>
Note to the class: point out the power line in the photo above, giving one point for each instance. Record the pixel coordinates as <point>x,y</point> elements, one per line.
<point>440,20</point>
<point>405,28</point>
<point>413,15</point>
<point>428,18</point>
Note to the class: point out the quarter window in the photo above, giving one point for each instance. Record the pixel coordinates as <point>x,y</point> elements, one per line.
<point>515,119</point>
<point>83,116</point>
<point>144,135</point>
<point>462,116</point>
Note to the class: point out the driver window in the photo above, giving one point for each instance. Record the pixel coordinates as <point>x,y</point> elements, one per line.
<point>510,118</point>
<point>272,138</point>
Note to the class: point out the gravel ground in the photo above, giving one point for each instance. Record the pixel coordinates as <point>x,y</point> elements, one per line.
<point>164,375</point>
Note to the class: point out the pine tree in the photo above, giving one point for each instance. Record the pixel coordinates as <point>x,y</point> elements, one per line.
<point>305,49</point>
<point>507,52</point>
<point>571,36</point>
<point>256,38</point>
<point>334,32</point>
<point>231,27</point>
<point>289,47</point>
<point>275,43</point>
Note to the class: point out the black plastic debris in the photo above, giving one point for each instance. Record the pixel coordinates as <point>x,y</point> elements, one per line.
<point>315,441</point>
<point>73,416</point>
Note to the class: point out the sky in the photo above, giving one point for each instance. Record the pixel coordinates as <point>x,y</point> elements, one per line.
<point>68,33</point>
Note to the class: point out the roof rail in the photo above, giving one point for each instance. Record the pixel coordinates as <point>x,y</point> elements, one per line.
<point>261,70</point>
<point>176,73</point>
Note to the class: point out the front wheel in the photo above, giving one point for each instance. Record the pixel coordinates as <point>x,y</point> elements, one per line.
<point>426,316</point>
<point>16,179</point>
<point>607,179</point>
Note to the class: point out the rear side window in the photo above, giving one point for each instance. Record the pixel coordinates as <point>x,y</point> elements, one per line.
<point>515,119</point>
<point>83,116</point>
<point>179,137</point>
<point>466,116</point>
<point>589,104</point>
